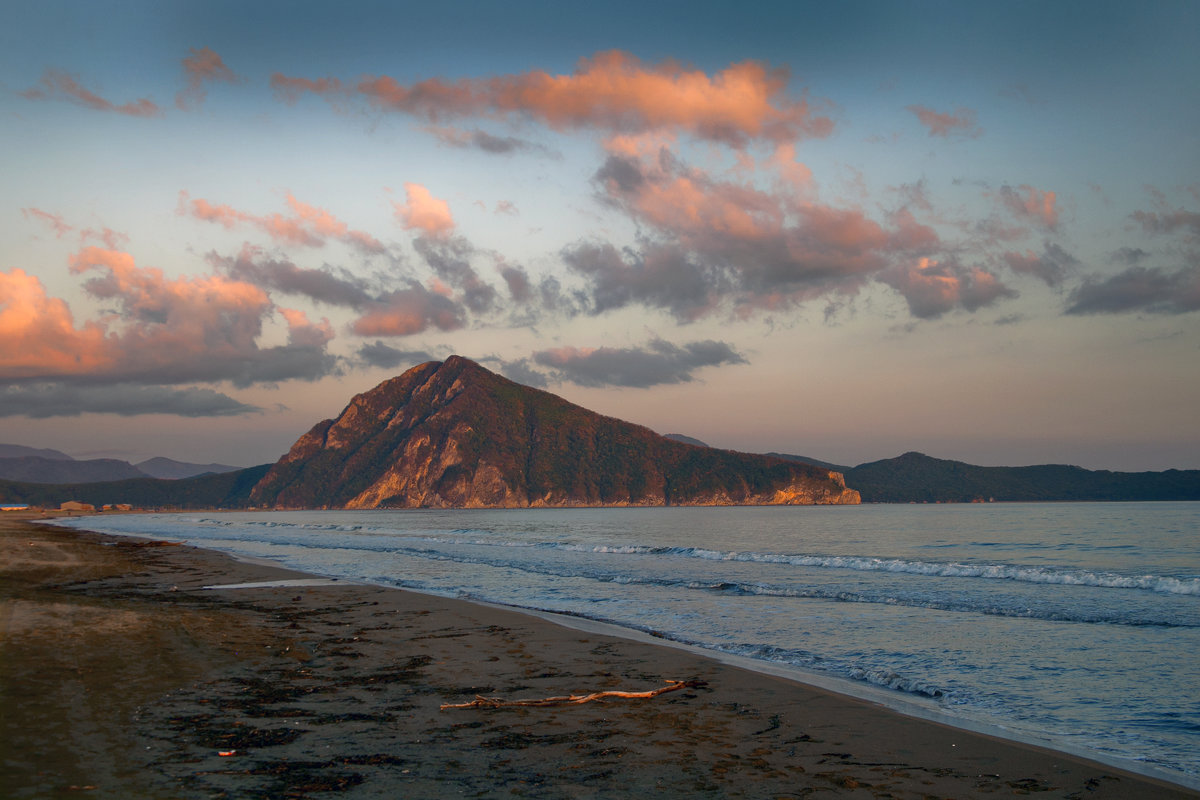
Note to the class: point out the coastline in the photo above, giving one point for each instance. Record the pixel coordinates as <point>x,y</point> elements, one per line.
<point>122,676</point>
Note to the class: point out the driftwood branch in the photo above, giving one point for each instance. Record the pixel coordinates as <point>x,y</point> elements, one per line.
<point>571,699</point>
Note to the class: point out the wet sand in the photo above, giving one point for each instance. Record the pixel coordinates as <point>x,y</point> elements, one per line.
<point>122,676</point>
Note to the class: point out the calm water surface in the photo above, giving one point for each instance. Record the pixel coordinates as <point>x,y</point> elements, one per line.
<point>1076,624</point>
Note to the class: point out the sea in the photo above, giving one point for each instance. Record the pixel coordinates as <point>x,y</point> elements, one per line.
<point>1071,625</point>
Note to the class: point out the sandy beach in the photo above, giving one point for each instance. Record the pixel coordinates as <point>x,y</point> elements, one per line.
<point>121,675</point>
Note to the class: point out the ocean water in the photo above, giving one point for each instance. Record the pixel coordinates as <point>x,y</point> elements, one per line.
<point>1074,625</point>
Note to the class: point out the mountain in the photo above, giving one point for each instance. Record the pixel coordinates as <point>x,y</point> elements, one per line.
<point>36,469</point>
<point>679,437</point>
<point>453,434</point>
<point>171,469</point>
<point>20,450</point>
<point>226,490</point>
<point>814,461</point>
<point>918,478</point>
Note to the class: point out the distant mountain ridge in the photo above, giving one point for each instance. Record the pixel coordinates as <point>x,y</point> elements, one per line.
<point>171,469</point>
<point>21,451</point>
<point>917,478</point>
<point>43,465</point>
<point>453,434</point>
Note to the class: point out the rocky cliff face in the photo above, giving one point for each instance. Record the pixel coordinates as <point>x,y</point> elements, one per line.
<point>453,434</point>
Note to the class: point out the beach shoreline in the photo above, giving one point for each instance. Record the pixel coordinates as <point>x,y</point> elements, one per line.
<point>122,676</point>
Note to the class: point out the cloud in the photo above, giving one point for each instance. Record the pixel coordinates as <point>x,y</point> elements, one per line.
<point>660,276</point>
<point>1131,256</point>
<point>159,331</point>
<point>612,91</point>
<point>932,288</point>
<point>520,371</point>
<point>381,355</point>
<point>308,225</point>
<point>54,221</point>
<point>659,363</point>
<point>57,84</point>
<point>289,90</point>
<point>1030,204</point>
<point>407,311</point>
<point>517,281</point>
<point>449,259</point>
<point>476,139</point>
<point>1168,221</point>
<point>39,336</point>
<point>1144,289</point>
<point>321,285</point>
<point>303,332</point>
<point>712,241</point>
<point>1051,266</point>
<point>960,123</point>
<point>202,67</point>
<point>43,400</point>
<point>423,212</point>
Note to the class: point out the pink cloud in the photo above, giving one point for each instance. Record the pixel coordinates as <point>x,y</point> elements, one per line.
<point>290,89</point>
<point>308,225</point>
<point>409,311</point>
<point>1026,202</point>
<point>960,123</point>
<point>932,288</point>
<point>39,336</point>
<point>155,329</point>
<point>729,239</point>
<point>202,67</point>
<point>55,221</point>
<point>424,212</point>
<point>303,331</point>
<point>612,91</point>
<point>55,83</point>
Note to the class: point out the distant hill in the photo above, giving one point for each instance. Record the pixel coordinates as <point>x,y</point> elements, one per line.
<point>815,462</point>
<point>36,469</point>
<point>918,478</point>
<point>43,465</point>
<point>679,437</point>
<point>171,469</point>
<point>226,490</point>
<point>453,434</point>
<point>20,451</point>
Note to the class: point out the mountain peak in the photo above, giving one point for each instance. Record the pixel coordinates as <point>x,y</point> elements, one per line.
<point>454,434</point>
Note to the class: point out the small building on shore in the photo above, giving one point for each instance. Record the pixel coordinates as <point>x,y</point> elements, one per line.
<point>74,505</point>
<point>14,506</point>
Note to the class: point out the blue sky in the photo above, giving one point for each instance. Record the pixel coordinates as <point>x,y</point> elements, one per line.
<point>843,230</point>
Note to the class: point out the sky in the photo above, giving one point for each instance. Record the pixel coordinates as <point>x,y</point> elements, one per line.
<point>841,230</point>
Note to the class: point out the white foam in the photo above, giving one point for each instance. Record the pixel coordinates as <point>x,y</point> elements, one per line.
<point>277,584</point>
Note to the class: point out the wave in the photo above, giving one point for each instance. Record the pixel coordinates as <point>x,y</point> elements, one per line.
<point>1161,584</point>
<point>960,604</point>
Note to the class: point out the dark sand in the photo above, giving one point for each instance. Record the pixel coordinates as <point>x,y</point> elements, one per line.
<point>120,676</point>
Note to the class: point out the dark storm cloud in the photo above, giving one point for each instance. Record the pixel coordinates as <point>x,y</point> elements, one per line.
<point>1145,289</point>
<point>640,367</point>
<point>42,400</point>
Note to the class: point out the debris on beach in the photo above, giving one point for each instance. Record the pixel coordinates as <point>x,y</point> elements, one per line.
<point>572,699</point>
